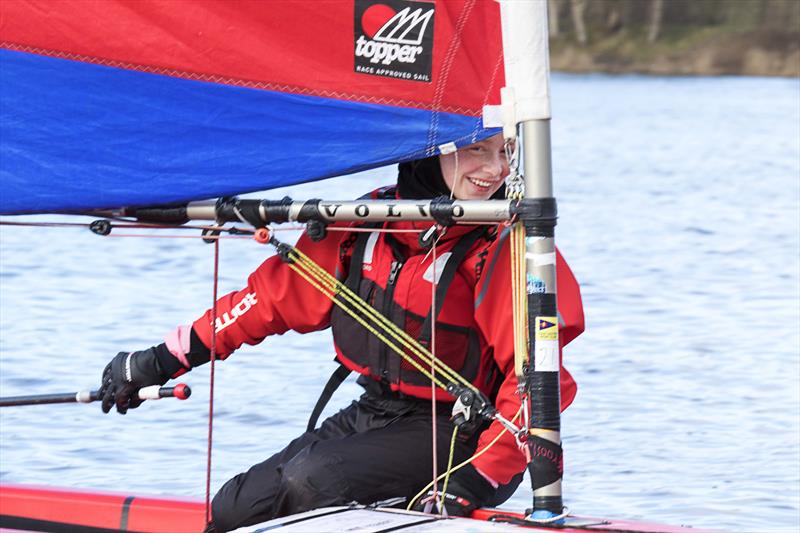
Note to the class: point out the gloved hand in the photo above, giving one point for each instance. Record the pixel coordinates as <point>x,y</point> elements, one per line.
<point>129,372</point>
<point>467,490</point>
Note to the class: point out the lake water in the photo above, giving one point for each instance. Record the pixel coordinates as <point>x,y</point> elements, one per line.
<point>679,204</point>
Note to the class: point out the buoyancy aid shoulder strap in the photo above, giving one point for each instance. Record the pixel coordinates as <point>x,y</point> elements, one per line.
<point>336,379</point>
<point>457,255</point>
<point>357,257</point>
<point>340,374</point>
<point>397,249</point>
<point>353,279</point>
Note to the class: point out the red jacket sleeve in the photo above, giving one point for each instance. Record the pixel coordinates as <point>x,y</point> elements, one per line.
<point>493,317</point>
<point>275,300</point>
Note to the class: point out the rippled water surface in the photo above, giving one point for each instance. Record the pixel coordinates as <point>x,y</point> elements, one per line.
<point>679,213</point>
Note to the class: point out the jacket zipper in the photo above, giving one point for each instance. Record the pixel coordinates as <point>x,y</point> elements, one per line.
<point>388,301</point>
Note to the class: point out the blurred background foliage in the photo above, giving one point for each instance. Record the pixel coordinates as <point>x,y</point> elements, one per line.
<point>750,37</point>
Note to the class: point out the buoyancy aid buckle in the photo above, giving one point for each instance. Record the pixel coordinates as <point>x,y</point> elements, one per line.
<point>427,238</point>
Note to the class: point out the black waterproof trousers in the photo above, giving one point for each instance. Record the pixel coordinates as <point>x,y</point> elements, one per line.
<point>377,448</point>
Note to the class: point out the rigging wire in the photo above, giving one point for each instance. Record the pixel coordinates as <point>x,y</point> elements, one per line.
<point>356,229</point>
<point>434,425</point>
<point>332,295</point>
<point>519,298</point>
<point>515,190</point>
<point>521,333</point>
<point>213,357</point>
<point>464,463</point>
<point>353,305</point>
<point>317,276</point>
<point>126,224</point>
<point>334,288</point>
<point>203,237</point>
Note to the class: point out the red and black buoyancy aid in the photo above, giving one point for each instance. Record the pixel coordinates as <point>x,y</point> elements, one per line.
<point>394,278</point>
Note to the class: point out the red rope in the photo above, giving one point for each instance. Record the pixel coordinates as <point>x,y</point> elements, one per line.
<point>434,425</point>
<point>371,230</point>
<point>213,348</point>
<point>211,381</point>
<point>205,237</point>
<point>119,224</point>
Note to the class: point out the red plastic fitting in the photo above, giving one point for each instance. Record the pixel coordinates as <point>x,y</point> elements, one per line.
<point>261,235</point>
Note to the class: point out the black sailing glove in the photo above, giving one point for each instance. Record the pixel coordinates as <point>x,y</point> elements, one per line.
<point>467,490</point>
<point>129,372</point>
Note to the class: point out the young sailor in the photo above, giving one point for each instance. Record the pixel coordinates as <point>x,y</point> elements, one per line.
<point>380,446</point>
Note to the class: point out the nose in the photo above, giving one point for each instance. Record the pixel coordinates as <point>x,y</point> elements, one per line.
<point>496,165</point>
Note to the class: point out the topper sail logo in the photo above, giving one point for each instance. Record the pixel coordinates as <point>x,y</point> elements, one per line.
<point>406,27</point>
<point>394,38</point>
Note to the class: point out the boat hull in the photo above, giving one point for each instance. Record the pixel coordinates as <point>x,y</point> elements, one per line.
<point>33,508</point>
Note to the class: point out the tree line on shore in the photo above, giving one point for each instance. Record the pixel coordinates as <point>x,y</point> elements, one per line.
<point>582,19</point>
<point>687,36</point>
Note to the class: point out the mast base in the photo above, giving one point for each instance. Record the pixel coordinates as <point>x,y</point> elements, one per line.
<point>547,517</point>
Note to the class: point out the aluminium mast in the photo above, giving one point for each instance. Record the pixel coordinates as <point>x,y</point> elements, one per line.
<point>526,109</point>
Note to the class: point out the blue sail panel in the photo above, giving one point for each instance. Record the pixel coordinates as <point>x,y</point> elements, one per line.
<point>79,136</point>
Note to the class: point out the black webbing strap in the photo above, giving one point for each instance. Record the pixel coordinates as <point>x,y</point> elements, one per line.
<point>458,253</point>
<point>340,374</point>
<point>353,280</point>
<point>336,379</point>
<point>357,257</point>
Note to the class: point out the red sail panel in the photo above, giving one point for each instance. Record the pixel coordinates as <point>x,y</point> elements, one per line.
<point>292,46</point>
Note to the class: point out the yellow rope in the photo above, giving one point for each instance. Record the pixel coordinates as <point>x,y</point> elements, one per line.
<point>519,299</point>
<point>337,288</point>
<point>450,459</point>
<point>462,464</point>
<point>400,335</point>
<point>331,287</point>
<point>368,327</point>
<point>332,295</point>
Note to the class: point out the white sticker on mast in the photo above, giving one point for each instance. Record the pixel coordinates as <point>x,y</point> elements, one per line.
<point>527,59</point>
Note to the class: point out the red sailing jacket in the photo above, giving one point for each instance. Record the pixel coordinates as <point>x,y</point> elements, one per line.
<point>475,316</point>
<point>391,277</point>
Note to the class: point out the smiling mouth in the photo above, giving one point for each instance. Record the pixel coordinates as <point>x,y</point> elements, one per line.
<point>481,183</point>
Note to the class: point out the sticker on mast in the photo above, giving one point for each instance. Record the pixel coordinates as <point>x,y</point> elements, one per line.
<point>394,38</point>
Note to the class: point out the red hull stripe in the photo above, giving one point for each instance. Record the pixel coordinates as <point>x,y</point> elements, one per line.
<point>23,506</point>
<point>51,509</point>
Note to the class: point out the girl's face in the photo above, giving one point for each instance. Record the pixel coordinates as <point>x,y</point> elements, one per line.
<point>481,169</point>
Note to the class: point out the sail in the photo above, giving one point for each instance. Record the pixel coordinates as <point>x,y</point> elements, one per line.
<point>133,102</point>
